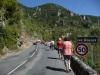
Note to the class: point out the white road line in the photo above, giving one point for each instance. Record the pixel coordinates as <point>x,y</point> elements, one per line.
<point>33,54</point>
<point>20,65</point>
<point>17,67</point>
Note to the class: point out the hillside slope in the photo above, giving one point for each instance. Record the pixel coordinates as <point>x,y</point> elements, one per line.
<point>51,21</point>
<point>45,22</point>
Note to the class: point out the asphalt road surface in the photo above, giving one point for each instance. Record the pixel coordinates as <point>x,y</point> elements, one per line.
<point>42,62</point>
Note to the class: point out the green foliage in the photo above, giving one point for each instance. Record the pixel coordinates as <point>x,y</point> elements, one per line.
<point>1,3</point>
<point>11,34</point>
<point>42,24</point>
<point>10,6</point>
<point>12,18</point>
<point>95,32</point>
<point>11,10</point>
<point>97,67</point>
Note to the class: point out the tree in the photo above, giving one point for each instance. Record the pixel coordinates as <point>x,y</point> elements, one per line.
<point>95,32</point>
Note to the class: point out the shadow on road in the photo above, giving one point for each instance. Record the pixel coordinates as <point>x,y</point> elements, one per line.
<point>47,49</point>
<point>55,69</point>
<point>53,58</point>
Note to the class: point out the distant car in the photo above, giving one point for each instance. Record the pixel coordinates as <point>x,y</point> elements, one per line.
<point>34,43</point>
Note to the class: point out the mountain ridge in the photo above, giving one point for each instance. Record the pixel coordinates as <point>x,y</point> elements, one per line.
<point>54,4</point>
<point>91,17</point>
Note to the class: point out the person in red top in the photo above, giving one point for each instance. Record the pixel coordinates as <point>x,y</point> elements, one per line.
<point>60,47</point>
<point>68,48</point>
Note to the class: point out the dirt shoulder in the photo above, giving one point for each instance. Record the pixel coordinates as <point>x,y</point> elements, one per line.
<point>16,52</point>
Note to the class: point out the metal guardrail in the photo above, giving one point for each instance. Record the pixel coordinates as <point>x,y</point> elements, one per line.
<point>80,68</point>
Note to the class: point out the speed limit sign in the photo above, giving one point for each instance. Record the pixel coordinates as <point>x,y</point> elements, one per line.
<point>81,49</point>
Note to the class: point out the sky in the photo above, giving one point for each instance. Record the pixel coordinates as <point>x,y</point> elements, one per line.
<point>81,7</point>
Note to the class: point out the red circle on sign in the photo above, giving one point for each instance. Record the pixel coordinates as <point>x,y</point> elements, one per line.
<point>81,49</point>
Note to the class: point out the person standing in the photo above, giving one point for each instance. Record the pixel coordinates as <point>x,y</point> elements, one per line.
<point>68,49</point>
<point>60,47</point>
<point>52,44</point>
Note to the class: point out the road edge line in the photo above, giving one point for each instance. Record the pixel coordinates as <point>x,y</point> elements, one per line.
<point>21,63</point>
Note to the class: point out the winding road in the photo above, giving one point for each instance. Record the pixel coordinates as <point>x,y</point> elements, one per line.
<point>36,60</point>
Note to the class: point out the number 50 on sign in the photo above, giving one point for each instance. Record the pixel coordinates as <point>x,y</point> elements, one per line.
<point>81,49</point>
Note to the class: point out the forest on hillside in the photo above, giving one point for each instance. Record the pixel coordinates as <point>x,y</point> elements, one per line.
<point>9,24</point>
<point>46,22</point>
<point>56,21</point>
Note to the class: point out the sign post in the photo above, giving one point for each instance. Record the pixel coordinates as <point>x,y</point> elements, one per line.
<point>82,49</point>
<point>91,39</point>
